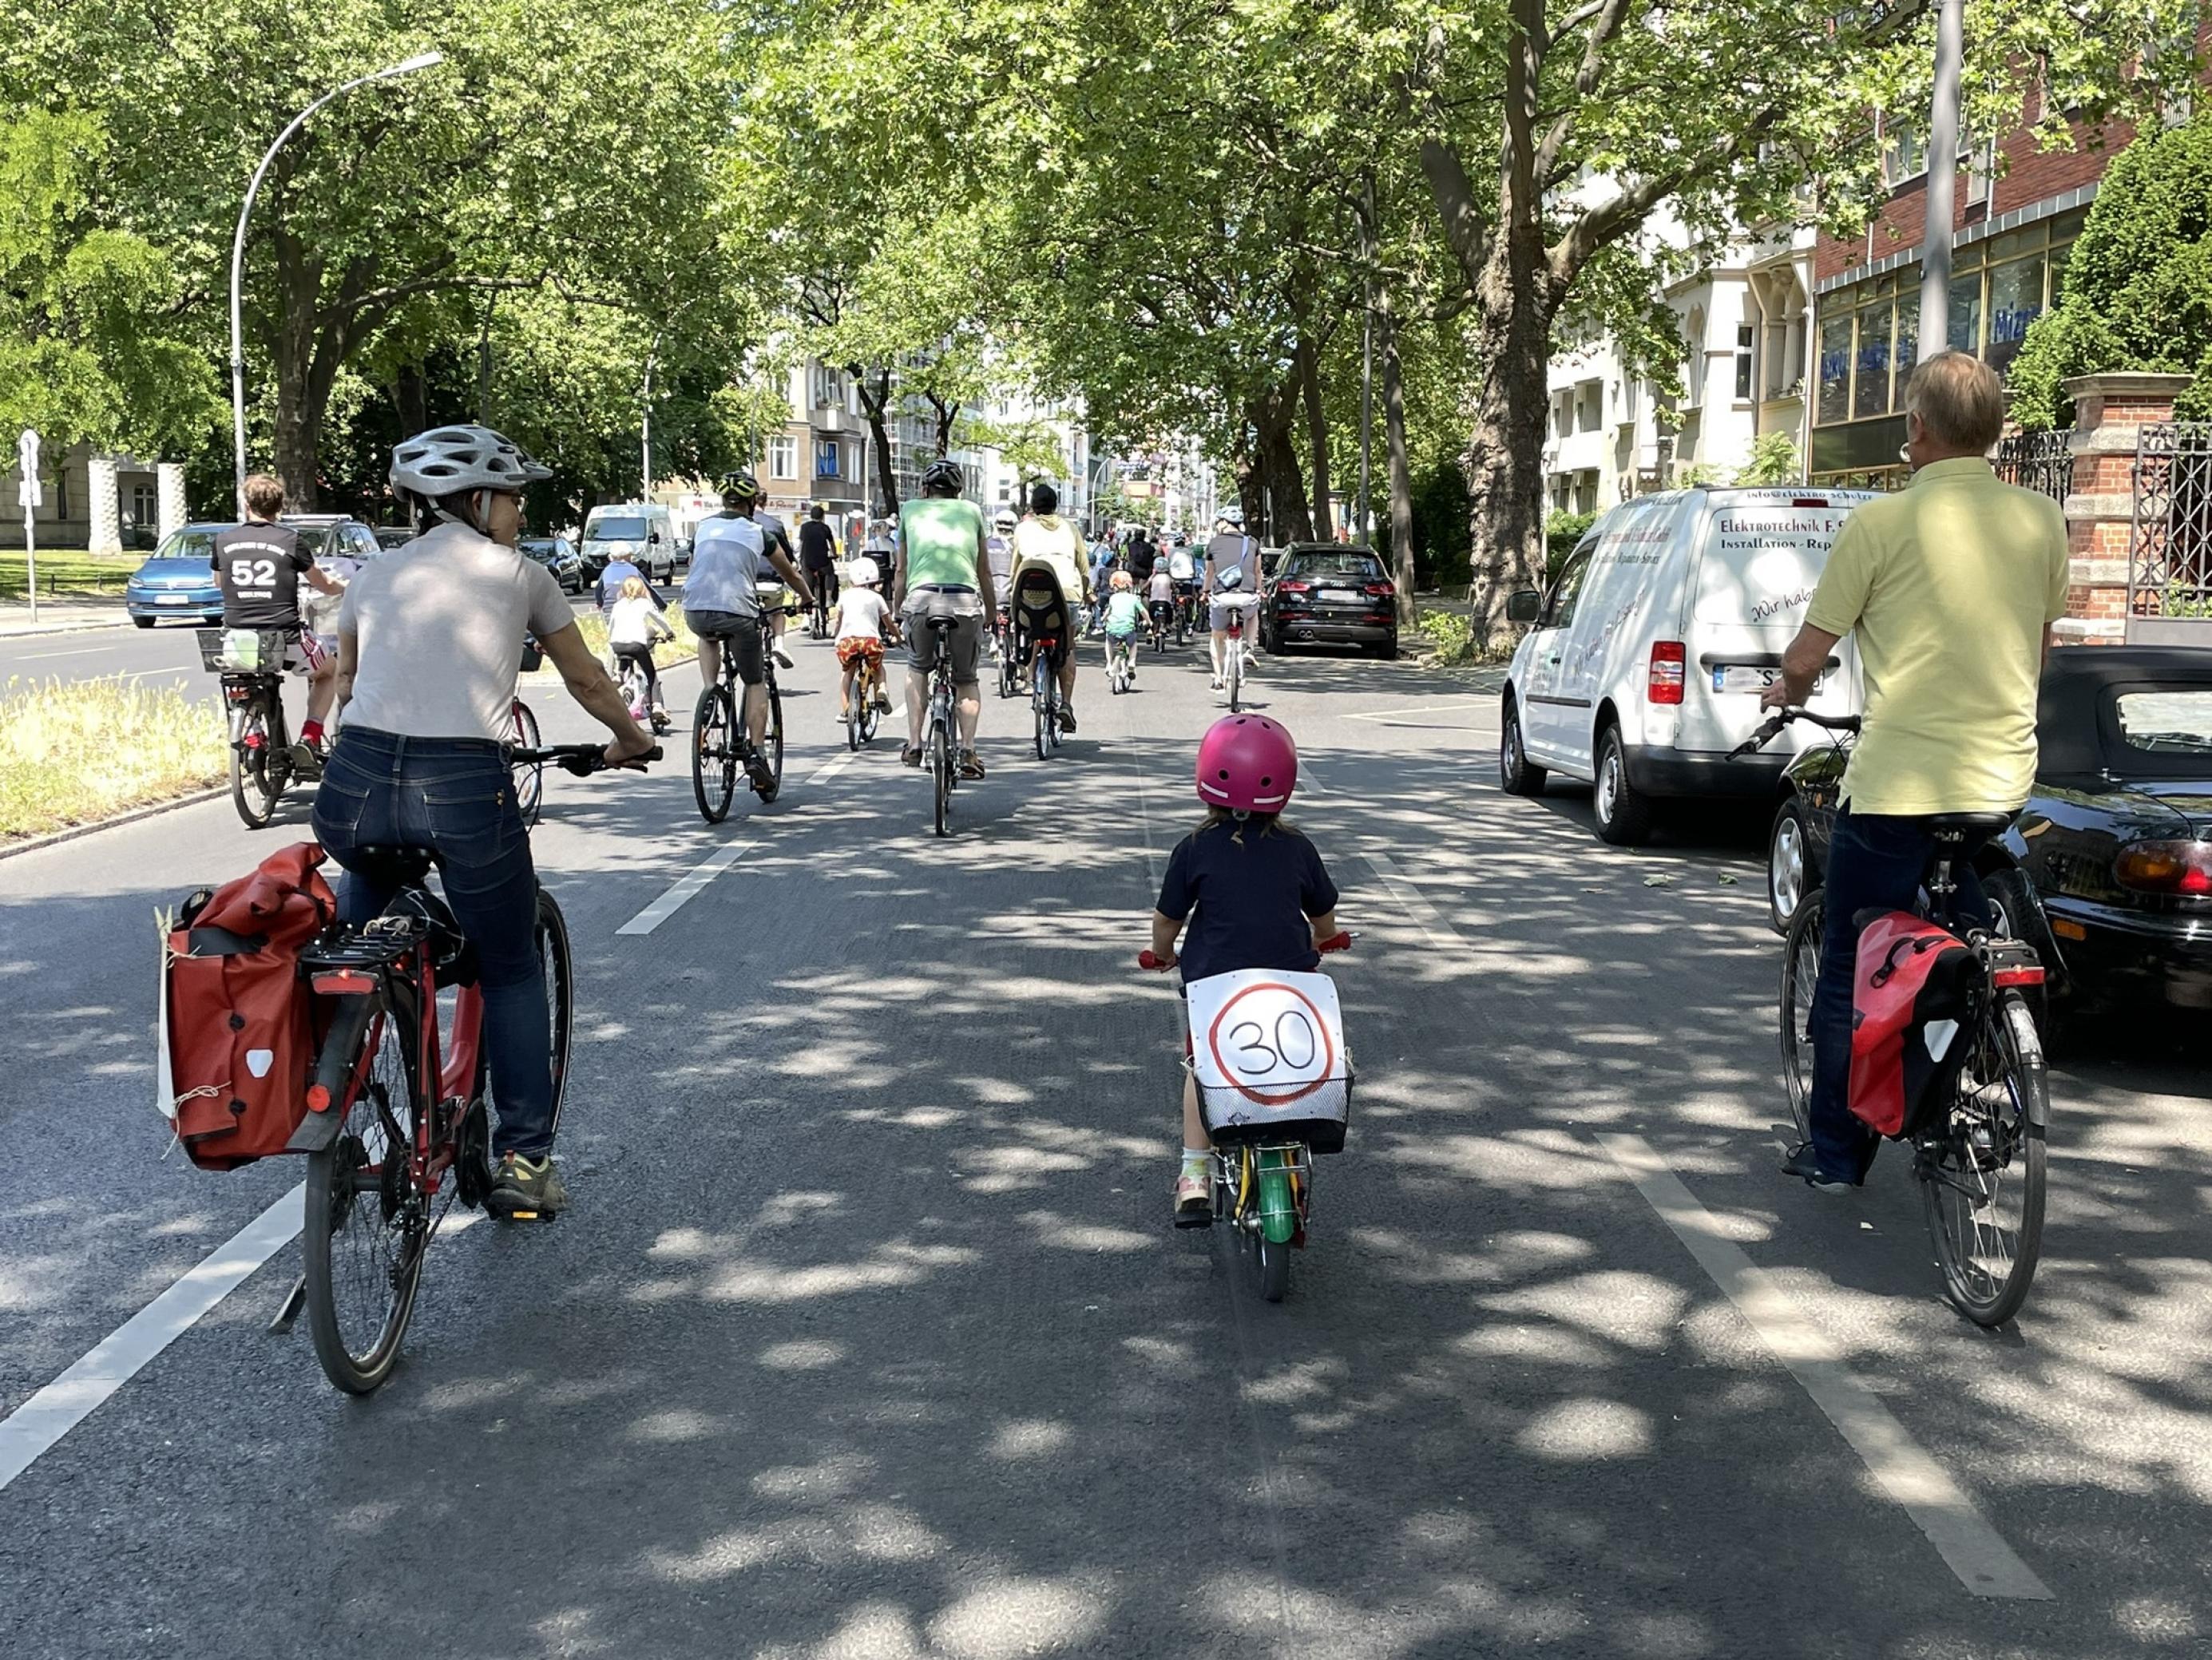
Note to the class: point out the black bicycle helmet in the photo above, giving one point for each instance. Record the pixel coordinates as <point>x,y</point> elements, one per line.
<point>944,476</point>
<point>741,485</point>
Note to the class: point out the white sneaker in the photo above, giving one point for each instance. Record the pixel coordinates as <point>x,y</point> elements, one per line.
<point>782,657</point>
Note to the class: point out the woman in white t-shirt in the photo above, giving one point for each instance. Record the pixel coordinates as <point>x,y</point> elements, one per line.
<point>859,624</point>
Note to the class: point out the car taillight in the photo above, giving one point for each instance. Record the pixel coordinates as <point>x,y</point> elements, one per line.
<point>1381,590</point>
<point>1670,662</point>
<point>1287,585</point>
<point>2176,867</point>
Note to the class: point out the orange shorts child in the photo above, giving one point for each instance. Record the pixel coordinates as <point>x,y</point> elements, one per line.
<point>850,652</point>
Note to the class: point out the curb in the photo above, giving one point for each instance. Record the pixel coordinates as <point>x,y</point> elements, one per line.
<point>74,832</point>
<point>6,634</point>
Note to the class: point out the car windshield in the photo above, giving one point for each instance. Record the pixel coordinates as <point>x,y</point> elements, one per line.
<point>1345,567</point>
<point>617,530</point>
<point>2173,723</point>
<point>176,564</point>
<point>181,547</point>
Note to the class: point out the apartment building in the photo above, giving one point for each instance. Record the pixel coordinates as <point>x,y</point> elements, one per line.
<point>105,503</point>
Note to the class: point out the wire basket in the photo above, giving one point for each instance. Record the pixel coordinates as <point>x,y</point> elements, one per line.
<point>245,651</point>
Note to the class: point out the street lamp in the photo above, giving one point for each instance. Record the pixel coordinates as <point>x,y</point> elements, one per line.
<point>420,61</point>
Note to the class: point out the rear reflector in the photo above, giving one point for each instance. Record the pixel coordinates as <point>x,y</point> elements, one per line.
<point>1669,660</point>
<point>319,1098</point>
<point>2180,868</point>
<point>2066,930</point>
<point>2022,975</point>
<point>343,982</point>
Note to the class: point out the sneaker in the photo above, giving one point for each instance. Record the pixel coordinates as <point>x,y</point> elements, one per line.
<point>524,1188</point>
<point>1219,685</point>
<point>1193,1204</point>
<point>882,703</point>
<point>1067,719</point>
<point>783,659</point>
<point>909,755</point>
<point>972,764</point>
<point>761,773</point>
<point>1804,1165</point>
<point>844,717</point>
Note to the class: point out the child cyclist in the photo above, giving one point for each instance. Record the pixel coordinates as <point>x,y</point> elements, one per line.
<point>1254,890</point>
<point>633,623</point>
<point>1124,614</point>
<point>857,624</point>
<point>1159,596</point>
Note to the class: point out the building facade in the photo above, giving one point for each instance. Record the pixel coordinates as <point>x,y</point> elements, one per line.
<point>103,503</point>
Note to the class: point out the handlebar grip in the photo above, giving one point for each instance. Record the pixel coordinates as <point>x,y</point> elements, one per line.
<point>1341,940</point>
<point>1147,960</point>
<point>1767,729</point>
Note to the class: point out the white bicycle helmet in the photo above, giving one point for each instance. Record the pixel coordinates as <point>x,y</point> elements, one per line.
<point>863,572</point>
<point>1232,516</point>
<point>454,460</point>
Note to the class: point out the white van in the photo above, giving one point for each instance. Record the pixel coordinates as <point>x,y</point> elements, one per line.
<point>641,533</point>
<point>1648,655</point>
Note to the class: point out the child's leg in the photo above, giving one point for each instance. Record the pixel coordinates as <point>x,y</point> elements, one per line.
<point>1194,1138</point>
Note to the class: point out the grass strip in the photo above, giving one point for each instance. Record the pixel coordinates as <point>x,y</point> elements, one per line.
<point>63,571</point>
<point>76,751</point>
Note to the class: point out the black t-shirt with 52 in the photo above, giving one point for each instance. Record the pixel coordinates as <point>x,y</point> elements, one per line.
<point>260,568</point>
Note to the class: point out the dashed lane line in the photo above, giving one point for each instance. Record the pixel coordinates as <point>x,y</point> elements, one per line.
<point>1974,1550</point>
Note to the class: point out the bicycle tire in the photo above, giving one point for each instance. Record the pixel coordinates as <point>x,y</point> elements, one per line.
<point>1270,1267</point>
<point>1235,677</point>
<point>713,753</point>
<point>774,735</point>
<point>1041,703</point>
<point>529,776</point>
<point>940,770</point>
<point>1954,1170</point>
<point>871,718</point>
<point>558,960</point>
<point>254,784</point>
<point>1801,973</point>
<point>361,1246</point>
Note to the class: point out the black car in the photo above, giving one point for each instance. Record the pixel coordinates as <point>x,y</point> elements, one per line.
<point>557,555</point>
<point>1327,594</point>
<point>2107,872</point>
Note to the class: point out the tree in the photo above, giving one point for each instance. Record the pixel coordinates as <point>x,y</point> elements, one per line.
<point>2138,291</point>
<point>1773,460</point>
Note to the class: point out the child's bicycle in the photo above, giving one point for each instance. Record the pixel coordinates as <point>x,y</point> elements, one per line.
<point>1159,614</point>
<point>1120,662</point>
<point>1262,1172</point>
<point>638,698</point>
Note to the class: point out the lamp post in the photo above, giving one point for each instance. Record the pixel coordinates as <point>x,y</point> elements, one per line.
<point>1934,323</point>
<point>420,61</point>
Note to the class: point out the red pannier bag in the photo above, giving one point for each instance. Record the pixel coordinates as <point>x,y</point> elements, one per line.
<point>1911,989</point>
<point>237,1028</point>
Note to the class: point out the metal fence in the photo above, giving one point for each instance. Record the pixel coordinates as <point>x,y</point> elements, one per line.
<point>2042,461</point>
<point>2170,538</point>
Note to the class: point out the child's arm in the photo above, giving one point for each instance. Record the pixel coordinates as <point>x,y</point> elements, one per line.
<point>1324,926</point>
<point>1164,932</point>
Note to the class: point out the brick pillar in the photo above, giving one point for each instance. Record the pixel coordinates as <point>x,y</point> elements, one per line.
<point>105,506</point>
<point>2108,408</point>
<point>169,487</point>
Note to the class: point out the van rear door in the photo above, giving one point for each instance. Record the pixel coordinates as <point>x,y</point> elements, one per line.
<point>1759,556</point>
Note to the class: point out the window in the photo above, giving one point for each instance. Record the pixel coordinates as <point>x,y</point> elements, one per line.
<point>145,504</point>
<point>1835,402</point>
<point>2015,300</point>
<point>826,453</point>
<point>2165,722</point>
<point>1903,154</point>
<point>1871,362</point>
<point>1744,353</point>
<point>783,457</point>
<point>1981,170</point>
<point>1561,611</point>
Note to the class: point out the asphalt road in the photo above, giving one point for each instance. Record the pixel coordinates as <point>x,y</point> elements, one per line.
<point>868,1335</point>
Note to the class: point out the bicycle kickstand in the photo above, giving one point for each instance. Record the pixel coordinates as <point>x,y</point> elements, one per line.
<point>288,1310</point>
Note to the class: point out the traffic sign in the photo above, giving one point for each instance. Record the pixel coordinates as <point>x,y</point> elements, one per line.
<point>28,494</point>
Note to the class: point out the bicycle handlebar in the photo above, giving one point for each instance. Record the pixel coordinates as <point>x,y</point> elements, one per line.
<point>1774,723</point>
<point>1148,960</point>
<point>582,759</point>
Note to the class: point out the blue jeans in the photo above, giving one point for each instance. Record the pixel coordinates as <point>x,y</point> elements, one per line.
<point>455,797</point>
<point>1874,863</point>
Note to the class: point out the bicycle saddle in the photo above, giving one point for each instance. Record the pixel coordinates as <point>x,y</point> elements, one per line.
<point>1953,826</point>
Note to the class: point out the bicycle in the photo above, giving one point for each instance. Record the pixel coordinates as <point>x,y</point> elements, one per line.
<point>522,735</point>
<point>1044,693</point>
<point>1157,615</point>
<point>939,734</point>
<point>398,1122</point>
<point>722,745</point>
<point>1992,1126</point>
<point>817,614</point>
<point>1121,664</point>
<point>1261,1173</point>
<point>637,697</point>
<point>867,683</point>
<point>263,760</point>
<point>1010,668</point>
<point>1235,664</point>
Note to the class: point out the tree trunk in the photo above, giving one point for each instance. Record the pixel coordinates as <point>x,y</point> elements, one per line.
<point>1401,472</point>
<point>1288,518</point>
<point>871,406</point>
<point>1308,372</point>
<point>1504,462</point>
<point>410,399</point>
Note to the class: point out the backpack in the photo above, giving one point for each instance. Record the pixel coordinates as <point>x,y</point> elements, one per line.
<point>237,1037</point>
<point>1912,987</point>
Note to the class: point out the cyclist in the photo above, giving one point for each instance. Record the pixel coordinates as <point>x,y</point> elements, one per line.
<point>633,625</point>
<point>1102,571</point>
<point>944,570</point>
<point>430,640</point>
<point>817,554</point>
<point>1124,615</point>
<point>1254,890</point>
<point>259,565</point>
<point>1049,562</point>
<point>857,624</point>
<point>1950,587</point>
<point>1182,571</point>
<point>1159,596</point>
<point>742,498</point>
<point>999,546</point>
<point>731,558</point>
<point>1230,548</point>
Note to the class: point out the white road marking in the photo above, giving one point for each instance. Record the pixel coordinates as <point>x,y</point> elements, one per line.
<point>688,886</point>
<point>1388,715</point>
<point>1971,1548</point>
<point>62,1405</point>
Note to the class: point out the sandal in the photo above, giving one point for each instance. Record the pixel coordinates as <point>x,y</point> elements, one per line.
<point>971,765</point>
<point>909,755</point>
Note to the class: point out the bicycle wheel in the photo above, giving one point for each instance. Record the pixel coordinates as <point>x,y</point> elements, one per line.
<point>1982,1168</point>
<point>1041,704</point>
<point>940,770</point>
<point>1235,676</point>
<point>255,781</point>
<point>869,718</point>
<point>715,753</point>
<point>1800,972</point>
<point>529,776</point>
<point>560,969</point>
<point>367,1226</point>
<point>772,742</point>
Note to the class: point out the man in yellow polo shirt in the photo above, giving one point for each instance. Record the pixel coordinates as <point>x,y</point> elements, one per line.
<point>1950,587</point>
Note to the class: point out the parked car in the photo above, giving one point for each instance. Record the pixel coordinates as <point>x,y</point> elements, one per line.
<point>643,534</point>
<point>1271,566</point>
<point>1646,657</point>
<point>2107,872</point>
<point>1325,593</point>
<point>334,535</point>
<point>557,555</point>
<point>179,581</point>
<point>389,537</point>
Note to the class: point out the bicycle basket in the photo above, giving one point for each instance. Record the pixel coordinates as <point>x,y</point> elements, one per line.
<point>1320,1119</point>
<point>1268,1057</point>
<point>243,651</point>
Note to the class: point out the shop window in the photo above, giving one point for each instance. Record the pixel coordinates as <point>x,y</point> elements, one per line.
<point>1870,365</point>
<point>1835,402</point>
<point>2015,301</point>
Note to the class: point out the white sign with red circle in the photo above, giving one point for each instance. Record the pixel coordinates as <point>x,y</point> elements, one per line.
<point>1266,1045</point>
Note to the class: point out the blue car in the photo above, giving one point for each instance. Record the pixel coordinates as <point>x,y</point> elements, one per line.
<point>179,581</point>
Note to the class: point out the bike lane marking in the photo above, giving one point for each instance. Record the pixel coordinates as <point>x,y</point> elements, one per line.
<point>1974,1550</point>
<point>33,1427</point>
<point>688,886</point>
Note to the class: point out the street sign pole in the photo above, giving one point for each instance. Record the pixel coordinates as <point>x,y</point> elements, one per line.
<point>27,461</point>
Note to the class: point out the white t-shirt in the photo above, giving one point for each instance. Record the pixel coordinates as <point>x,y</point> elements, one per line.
<point>860,613</point>
<point>438,625</point>
<point>635,623</point>
<point>1160,585</point>
<point>1180,566</point>
<point>727,563</point>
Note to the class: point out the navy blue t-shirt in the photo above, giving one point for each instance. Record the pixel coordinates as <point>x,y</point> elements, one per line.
<point>1254,899</point>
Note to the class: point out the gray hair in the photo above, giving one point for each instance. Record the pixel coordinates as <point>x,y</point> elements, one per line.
<point>1959,401</point>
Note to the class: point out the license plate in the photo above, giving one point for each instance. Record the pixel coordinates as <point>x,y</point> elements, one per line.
<point>172,600</point>
<point>1337,597</point>
<point>1740,676</point>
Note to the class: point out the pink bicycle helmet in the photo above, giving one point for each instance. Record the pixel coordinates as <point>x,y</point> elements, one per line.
<point>1247,763</point>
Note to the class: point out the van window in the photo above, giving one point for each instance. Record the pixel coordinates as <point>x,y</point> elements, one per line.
<point>630,529</point>
<point>1762,560</point>
<point>1569,592</point>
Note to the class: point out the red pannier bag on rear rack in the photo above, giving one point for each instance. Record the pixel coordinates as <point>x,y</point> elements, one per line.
<point>237,1023</point>
<point>1912,992</point>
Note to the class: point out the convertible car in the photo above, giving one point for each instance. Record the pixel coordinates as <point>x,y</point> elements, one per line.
<point>2107,872</point>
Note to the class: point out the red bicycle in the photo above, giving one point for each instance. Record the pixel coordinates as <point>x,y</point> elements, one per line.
<point>398,1122</point>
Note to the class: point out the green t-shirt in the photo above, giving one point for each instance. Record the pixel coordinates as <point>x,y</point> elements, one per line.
<point>1950,587</point>
<point>941,534</point>
<point>1125,613</point>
